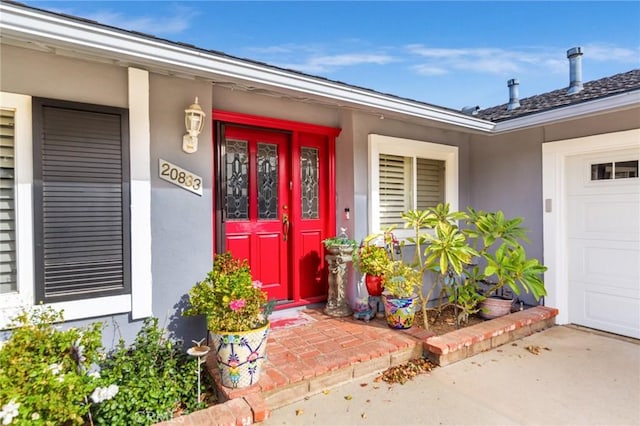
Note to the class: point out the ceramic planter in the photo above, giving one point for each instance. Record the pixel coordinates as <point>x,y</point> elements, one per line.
<point>374,284</point>
<point>240,355</point>
<point>494,307</point>
<point>399,311</point>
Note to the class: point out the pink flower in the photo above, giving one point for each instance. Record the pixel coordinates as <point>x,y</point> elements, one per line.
<point>256,284</point>
<point>236,305</point>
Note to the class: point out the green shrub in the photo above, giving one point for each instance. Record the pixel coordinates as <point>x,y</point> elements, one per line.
<point>47,374</point>
<point>156,380</point>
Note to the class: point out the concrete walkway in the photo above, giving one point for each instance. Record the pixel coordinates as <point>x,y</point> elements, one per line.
<point>585,378</point>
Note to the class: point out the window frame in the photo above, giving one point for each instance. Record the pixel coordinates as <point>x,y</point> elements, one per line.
<point>138,301</point>
<point>380,144</point>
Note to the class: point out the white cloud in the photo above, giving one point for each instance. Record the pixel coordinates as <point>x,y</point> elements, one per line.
<point>429,70</point>
<point>178,22</point>
<point>607,52</point>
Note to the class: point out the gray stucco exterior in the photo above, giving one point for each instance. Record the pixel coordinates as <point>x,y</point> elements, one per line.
<point>496,171</point>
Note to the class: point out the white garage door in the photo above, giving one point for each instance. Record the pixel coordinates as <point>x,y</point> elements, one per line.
<point>603,241</point>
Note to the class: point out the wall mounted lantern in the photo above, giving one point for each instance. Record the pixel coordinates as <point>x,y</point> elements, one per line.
<point>194,122</point>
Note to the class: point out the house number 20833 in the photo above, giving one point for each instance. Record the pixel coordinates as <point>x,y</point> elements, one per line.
<point>179,176</point>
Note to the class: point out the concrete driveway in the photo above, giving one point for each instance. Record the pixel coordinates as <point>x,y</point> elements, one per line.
<point>583,378</point>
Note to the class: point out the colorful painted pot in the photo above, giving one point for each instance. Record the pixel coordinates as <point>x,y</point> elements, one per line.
<point>240,355</point>
<point>399,311</point>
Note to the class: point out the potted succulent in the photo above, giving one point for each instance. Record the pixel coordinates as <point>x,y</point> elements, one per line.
<point>340,244</point>
<point>237,315</point>
<point>399,297</point>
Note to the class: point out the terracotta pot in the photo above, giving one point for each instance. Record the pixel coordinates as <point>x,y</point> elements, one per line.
<point>399,311</point>
<point>494,307</point>
<point>374,284</point>
<point>240,355</point>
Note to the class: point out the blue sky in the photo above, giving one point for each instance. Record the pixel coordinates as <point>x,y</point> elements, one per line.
<point>451,54</point>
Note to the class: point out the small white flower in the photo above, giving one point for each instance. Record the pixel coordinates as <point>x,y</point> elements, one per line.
<point>35,416</point>
<point>55,368</point>
<point>102,394</point>
<point>94,374</point>
<point>9,411</point>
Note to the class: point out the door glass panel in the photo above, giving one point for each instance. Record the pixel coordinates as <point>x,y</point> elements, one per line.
<point>237,168</point>
<point>267,181</point>
<point>309,182</point>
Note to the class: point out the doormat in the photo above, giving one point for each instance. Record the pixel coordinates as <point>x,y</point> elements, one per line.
<point>288,319</point>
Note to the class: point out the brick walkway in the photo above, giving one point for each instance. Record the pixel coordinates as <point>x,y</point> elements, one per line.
<point>307,359</point>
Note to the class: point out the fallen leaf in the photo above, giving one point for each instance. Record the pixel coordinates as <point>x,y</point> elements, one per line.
<point>498,350</point>
<point>363,415</point>
<point>376,387</point>
<point>514,344</point>
<point>362,385</point>
<point>348,397</point>
<point>326,391</point>
<point>299,412</point>
<point>533,349</point>
<point>547,349</point>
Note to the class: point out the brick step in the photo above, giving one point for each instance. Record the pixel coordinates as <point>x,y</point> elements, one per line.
<point>302,363</point>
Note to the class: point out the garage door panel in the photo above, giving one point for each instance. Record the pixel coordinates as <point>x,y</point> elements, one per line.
<point>594,306</point>
<point>614,263</point>
<point>605,217</point>
<point>603,244</point>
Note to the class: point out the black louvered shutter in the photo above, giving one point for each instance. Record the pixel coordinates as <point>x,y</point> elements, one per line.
<point>81,201</point>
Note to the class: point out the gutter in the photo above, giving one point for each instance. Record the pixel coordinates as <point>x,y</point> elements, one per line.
<point>96,39</point>
<point>620,101</point>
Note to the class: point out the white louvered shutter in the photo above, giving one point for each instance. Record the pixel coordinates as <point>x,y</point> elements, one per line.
<point>8,265</point>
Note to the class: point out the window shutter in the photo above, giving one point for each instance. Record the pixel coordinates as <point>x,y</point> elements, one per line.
<point>8,266</point>
<point>81,202</point>
<point>430,182</point>
<point>394,189</point>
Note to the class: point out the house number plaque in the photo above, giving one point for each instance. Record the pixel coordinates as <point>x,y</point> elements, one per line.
<point>179,176</point>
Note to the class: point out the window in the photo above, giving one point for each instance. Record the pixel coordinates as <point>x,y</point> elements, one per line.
<point>408,174</point>
<point>118,279</point>
<point>617,170</point>
<point>81,194</point>
<point>396,183</point>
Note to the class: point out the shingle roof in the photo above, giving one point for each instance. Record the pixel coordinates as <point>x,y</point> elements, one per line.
<point>595,89</point>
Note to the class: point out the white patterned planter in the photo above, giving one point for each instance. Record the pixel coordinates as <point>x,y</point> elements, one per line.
<point>240,355</point>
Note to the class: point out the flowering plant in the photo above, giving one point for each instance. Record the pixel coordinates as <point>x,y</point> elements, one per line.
<point>229,297</point>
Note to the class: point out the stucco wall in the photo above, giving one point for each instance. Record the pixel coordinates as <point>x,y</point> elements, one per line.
<point>46,75</point>
<point>181,222</point>
<point>505,172</point>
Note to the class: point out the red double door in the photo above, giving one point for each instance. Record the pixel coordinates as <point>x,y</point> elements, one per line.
<point>275,208</point>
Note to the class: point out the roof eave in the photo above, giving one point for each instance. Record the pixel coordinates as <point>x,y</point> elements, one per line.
<point>612,103</point>
<point>84,36</point>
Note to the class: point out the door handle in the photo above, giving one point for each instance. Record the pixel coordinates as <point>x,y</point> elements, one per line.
<point>285,226</point>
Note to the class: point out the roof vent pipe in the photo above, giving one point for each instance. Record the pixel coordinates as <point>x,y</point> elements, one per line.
<point>514,101</point>
<point>471,110</point>
<point>575,70</point>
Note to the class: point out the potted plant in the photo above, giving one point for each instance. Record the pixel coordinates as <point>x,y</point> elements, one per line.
<point>237,314</point>
<point>399,296</point>
<point>498,243</point>
<point>341,244</point>
<point>372,261</point>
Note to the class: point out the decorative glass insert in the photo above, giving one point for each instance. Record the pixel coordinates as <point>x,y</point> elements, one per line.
<point>267,181</point>
<point>237,168</point>
<point>309,182</point>
<point>8,265</point>
<point>617,170</point>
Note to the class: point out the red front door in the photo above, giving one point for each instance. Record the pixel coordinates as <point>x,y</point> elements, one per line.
<point>257,204</point>
<point>275,201</point>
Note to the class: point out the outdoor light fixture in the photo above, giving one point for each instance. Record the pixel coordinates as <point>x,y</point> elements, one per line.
<point>194,122</point>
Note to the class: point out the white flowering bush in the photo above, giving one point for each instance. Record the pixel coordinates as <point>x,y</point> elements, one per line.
<point>51,376</point>
<point>43,370</point>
